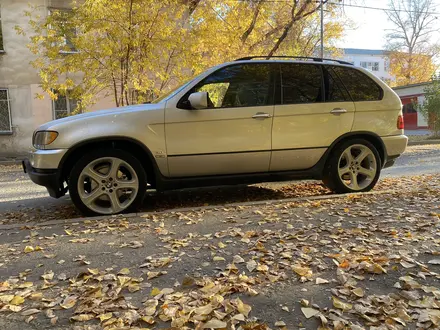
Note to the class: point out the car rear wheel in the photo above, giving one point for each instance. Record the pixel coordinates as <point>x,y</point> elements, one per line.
<point>107,182</point>
<point>354,166</point>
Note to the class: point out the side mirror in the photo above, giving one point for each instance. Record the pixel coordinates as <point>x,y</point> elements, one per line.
<point>198,100</point>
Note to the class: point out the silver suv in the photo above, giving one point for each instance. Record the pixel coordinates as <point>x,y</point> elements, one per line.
<point>248,121</point>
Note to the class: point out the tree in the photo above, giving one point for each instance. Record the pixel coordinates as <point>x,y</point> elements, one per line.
<point>409,42</point>
<point>410,69</point>
<point>431,106</point>
<point>136,50</point>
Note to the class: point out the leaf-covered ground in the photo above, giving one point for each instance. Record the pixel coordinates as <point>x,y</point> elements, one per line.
<point>207,196</point>
<point>356,262</point>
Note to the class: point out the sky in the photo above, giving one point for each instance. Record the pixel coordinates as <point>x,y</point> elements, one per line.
<point>371,25</point>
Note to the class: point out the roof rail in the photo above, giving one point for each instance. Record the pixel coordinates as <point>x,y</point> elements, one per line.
<point>315,59</point>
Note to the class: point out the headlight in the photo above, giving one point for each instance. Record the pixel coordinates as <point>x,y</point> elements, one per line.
<point>44,138</point>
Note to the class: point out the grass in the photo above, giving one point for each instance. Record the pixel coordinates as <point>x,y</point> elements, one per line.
<point>419,138</point>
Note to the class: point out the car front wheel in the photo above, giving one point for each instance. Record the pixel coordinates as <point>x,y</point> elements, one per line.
<point>354,166</point>
<point>107,182</point>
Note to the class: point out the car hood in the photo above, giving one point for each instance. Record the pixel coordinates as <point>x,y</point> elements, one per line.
<point>99,113</point>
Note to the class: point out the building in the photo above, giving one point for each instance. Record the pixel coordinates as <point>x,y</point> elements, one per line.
<point>20,111</point>
<point>410,96</point>
<point>375,60</point>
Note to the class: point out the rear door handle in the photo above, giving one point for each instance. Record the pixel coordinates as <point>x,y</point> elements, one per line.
<point>338,111</point>
<point>261,115</point>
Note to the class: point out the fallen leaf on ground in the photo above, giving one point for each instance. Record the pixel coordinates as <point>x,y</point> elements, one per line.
<point>341,305</point>
<point>309,312</point>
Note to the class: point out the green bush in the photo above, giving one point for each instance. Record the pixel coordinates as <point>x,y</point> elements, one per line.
<point>431,107</point>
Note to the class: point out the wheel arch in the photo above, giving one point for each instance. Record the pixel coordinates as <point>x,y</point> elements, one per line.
<point>371,137</point>
<point>135,147</point>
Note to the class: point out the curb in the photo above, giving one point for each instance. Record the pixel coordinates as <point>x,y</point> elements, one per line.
<point>10,162</point>
<point>193,209</point>
<point>422,143</point>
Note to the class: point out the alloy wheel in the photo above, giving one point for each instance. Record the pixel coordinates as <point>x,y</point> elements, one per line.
<point>357,167</point>
<point>108,185</point>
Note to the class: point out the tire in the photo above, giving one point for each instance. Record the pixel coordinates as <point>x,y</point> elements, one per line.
<point>343,174</point>
<point>106,182</point>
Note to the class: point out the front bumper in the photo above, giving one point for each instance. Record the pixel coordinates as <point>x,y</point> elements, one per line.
<point>48,159</point>
<point>49,178</point>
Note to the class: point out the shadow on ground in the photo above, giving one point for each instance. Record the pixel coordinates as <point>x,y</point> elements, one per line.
<point>230,194</point>
<point>176,199</point>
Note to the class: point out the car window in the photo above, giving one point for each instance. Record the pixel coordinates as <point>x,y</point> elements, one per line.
<point>334,90</point>
<point>244,85</point>
<point>359,85</point>
<point>300,83</point>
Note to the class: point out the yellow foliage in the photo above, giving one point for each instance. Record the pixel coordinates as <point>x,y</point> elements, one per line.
<point>139,50</point>
<point>410,69</point>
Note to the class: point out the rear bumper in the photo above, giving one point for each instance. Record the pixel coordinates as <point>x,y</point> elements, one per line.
<point>51,179</point>
<point>394,147</point>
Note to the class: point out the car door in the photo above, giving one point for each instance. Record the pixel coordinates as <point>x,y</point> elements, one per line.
<point>231,136</point>
<point>314,110</point>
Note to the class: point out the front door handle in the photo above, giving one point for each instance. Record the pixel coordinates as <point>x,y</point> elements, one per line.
<point>261,115</point>
<point>338,111</point>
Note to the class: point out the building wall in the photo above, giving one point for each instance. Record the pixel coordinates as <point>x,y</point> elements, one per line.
<point>414,91</point>
<point>19,77</point>
<point>22,80</point>
<point>383,72</point>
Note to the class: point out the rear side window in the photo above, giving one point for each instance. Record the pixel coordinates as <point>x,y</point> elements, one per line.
<point>359,85</point>
<point>334,89</point>
<point>300,83</point>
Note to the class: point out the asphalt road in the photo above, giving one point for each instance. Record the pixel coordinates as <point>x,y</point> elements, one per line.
<point>19,194</point>
<point>361,262</point>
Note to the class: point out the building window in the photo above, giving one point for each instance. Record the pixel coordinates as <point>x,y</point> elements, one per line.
<point>372,66</point>
<point>5,112</point>
<point>387,65</point>
<point>375,66</point>
<point>1,32</point>
<point>64,29</point>
<point>63,106</point>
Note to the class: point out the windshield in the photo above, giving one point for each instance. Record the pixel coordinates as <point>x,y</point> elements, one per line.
<point>173,92</point>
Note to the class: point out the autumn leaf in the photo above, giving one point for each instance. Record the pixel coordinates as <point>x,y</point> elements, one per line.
<point>48,276</point>
<point>358,292</point>
<point>69,302</point>
<point>214,324</point>
<point>302,271</point>
<point>251,265</point>
<point>155,292</point>
<point>28,249</point>
<point>82,317</point>
<point>30,311</point>
<point>309,312</point>
<point>242,307</point>
<point>6,298</point>
<point>321,281</point>
<point>341,305</point>
<point>105,317</point>
<point>237,259</point>
<point>124,271</point>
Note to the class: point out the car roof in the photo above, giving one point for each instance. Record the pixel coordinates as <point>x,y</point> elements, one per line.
<point>296,61</point>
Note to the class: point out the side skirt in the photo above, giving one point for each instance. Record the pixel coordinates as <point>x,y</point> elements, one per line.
<point>225,180</point>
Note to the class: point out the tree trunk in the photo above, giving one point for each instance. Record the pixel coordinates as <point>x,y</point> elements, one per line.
<point>251,27</point>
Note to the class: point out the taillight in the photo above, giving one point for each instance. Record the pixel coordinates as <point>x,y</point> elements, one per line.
<point>400,122</point>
